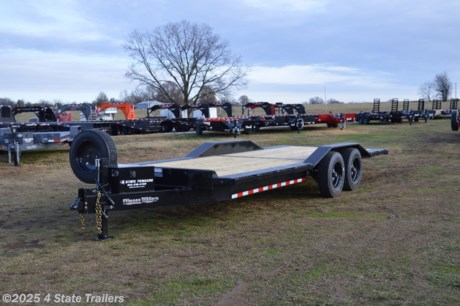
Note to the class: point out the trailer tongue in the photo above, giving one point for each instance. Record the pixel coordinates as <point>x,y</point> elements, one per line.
<point>214,171</point>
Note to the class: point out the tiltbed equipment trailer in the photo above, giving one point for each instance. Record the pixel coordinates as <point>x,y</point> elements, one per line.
<point>214,171</point>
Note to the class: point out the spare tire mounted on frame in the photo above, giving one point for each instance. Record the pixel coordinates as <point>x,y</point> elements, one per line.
<point>88,146</point>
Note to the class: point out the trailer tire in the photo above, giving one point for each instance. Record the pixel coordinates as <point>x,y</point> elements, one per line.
<point>353,168</point>
<point>331,175</point>
<point>88,146</point>
<point>454,120</point>
<point>166,127</point>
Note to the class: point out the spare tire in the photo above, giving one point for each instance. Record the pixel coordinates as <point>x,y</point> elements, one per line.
<point>88,146</point>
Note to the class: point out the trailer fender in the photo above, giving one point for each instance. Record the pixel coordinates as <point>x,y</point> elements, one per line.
<point>321,152</point>
<point>88,146</point>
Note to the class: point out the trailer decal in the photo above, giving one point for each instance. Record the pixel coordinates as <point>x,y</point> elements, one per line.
<point>136,183</point>
<point>141,200</point>
<point>269,187</point>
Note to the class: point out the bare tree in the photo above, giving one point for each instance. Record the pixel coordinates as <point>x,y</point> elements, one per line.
<point>243,99</point>
<point>189,55</point>
<point>173,93</point>
<point>101,98</point>
<point>333,101</point>
<point>316,100</point>
<point>427,91</point>
<point>226,96</point>
<point>208,96</point>
<point>443,86</point>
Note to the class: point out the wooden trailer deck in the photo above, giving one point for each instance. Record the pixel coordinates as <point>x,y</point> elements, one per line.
<point>237,163</point>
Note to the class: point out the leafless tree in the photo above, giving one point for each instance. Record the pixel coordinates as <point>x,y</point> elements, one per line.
<point>243,99</point>
<point>333,101</point>
<point>101,98</point>
<point>171,93</point>
<point>189,55</point>
<point>208,96</point>
<point>141,93</point>
<point>226,96</point>
<point>427,91</point>
<point>443,86</point>
<point>316,100</point>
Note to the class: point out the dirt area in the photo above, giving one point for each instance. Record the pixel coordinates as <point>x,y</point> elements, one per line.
<point>395,240</point>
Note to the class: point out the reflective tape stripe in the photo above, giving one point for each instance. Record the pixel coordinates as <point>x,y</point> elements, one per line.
<point>269,187</point>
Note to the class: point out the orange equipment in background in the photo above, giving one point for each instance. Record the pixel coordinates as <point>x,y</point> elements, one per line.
<point>126,108</point>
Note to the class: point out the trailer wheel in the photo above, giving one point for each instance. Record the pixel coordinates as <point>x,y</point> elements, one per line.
<point>88,146</point>
<point>166,127</point>
<point>331,175</point>
<point>454,120</point>
<point>353,168</point>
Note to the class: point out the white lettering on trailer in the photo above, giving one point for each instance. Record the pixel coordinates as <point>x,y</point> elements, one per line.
<point>269,187</point>
<point>141,200</point>
<point>140,183</point>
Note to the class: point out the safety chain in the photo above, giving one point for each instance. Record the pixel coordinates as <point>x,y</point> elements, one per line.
<point>82,221</point>
<point>98,213</point>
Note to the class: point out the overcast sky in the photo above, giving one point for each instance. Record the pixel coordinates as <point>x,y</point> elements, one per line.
<point>354,50</point>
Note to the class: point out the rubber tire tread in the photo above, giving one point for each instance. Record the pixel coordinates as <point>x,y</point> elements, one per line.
<point>348,156</point>
<point>105,146</point>
<point>324,175</point>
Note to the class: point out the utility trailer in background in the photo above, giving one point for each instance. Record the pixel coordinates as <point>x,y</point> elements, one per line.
<point>42,132</point>
<point>394,115</point>
<point>19,137</point>
<point>214,171</point>
<point>48,131</point>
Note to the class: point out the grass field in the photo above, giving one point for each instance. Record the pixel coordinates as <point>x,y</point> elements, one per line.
<point>396,240</point>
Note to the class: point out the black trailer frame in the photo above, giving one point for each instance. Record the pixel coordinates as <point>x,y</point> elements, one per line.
<point>394,115</point>
<point>214,171</point>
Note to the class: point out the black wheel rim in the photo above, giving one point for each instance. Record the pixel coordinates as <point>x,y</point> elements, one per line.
<point>355,170</point>
<point>336,175</point>
<point>87,156</point>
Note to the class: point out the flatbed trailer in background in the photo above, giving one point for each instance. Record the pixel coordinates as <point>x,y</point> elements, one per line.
<point>214,171</point>
<point>278,114</point>
<point>394,115</point>
<point>45,131</point>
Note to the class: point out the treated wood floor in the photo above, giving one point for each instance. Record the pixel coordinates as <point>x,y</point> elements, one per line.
<point>230,164</point>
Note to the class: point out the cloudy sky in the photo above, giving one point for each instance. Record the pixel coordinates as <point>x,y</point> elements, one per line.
<point>354,50</point>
